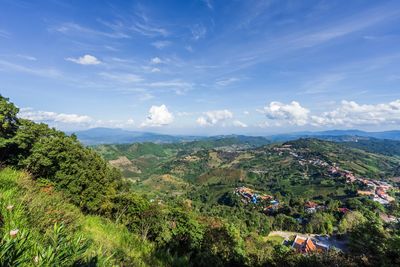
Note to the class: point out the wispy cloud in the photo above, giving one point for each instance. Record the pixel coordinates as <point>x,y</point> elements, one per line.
<point>4,34</point>
<point>161,44</point>
<point>71,28</point>
<point>227,81</point>
<point>49,73</point>
<point>267,49</point>
<point>198,31</point>
<point>322,84</point>
<point>121,77</point>
<point>149,30</point>
<point>208,4</point>
<point>27,57</point>
<point>178,86</point>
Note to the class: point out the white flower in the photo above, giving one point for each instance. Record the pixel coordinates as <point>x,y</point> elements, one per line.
<point>13,233</point>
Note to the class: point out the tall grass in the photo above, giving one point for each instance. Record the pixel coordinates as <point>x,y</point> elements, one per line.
<point>38,227</point>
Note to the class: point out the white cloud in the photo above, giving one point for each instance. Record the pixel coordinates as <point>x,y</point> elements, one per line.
<point>213,117</point>
<point>347,114</point>
<point>85,60</point>
<point>156,60</point>
<point>238,123</point>
<point>48,116</point>
<point>158,116</point>
<point>71,121</point>
<point>350,113</point>
<point>122,77</point>
<point>292,113</point>
<point>161,44</point>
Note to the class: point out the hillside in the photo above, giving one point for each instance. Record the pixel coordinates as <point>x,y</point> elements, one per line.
<point>380,146</point>
<point>300,167</point>
<point>225,201</point>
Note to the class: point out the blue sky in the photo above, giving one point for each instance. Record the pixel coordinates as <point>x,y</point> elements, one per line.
<point>203,66</point>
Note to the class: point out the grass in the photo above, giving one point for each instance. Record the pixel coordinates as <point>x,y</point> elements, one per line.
<point>116,240</point>
<point>35,209</point>
<point>275,239</point>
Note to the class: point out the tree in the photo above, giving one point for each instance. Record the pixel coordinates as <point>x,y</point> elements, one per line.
<point>321,223</point>
<point>349,221</point>
<point>284,222</point>
<point>81,173</point>
<point>368,239</point>
<point>222,246</point>
<point>8,118</point>
<point>139,215</point>
<point>8,127</point>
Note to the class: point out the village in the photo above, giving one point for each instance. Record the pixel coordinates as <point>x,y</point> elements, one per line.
<point>376,190</point>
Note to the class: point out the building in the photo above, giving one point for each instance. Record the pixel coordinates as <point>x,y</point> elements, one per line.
<point>306,245</point>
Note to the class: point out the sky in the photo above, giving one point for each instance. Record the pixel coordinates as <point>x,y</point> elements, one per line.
<point>203,66</point>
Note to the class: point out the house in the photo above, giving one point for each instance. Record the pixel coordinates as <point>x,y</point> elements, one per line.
<point>380,200</point>
<point>310,207</point>
<point>388,218</point>
<point>306,245</point>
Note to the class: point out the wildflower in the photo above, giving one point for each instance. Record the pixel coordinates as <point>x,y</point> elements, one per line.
<point>10,207</point>
<point>36,259</point>
<point>13,233</point>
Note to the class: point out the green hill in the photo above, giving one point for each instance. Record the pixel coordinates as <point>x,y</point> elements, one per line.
<point>188,204</point>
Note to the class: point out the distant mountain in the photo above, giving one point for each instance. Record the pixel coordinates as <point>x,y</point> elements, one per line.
<point>97,136</point>
<point>338,135</point>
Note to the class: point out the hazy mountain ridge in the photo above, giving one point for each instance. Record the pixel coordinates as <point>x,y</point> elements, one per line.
<point>96,136</point>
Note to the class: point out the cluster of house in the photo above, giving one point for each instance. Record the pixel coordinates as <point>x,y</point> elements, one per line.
<point>301,160</point>
<point>377,190</point>
<point>312,207</point>
<point>248,195</point>
<point>307,245</point>
<point>283,148</point>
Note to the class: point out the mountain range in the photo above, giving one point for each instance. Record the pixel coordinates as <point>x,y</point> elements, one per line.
<point>96,136</point>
